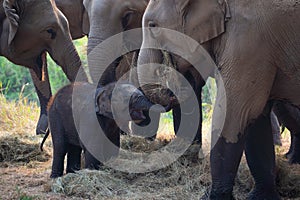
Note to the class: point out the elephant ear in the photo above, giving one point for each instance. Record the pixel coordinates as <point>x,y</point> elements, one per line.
<point>13,18</point>
<point>205,19</point>
<point>102,103</point>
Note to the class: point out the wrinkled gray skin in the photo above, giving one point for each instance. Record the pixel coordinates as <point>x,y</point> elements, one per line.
<point>29,29</point>
<point>76,15</point>
<point>289,116</point>
<point>256,47</point>
<point>108,18</point>
<point>65,137</point>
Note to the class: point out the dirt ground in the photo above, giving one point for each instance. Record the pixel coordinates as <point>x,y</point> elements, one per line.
<point>25,177</point>
<point>27,180</point>
<point>25,170</point>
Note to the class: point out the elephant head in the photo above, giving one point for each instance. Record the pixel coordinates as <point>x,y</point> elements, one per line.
<point>114,99</point>
<point>108,18</point>
<point>202,20</point>
<point>32,28</point>
<point>76,15</point>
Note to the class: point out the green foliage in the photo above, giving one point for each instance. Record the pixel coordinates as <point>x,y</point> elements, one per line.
<point>15,81</point>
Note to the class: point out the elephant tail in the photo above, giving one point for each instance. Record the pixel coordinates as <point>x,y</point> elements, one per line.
<point>44,139</point>
<point>282,129</point>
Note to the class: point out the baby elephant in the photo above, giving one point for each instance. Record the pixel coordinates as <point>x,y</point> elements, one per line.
<point>65,131</point>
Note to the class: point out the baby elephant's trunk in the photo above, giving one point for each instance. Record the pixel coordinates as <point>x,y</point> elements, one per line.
<point>144,104</point>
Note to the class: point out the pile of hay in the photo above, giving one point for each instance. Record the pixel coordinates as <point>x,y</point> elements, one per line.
<point>184,179</point>
<point>13,150</point>
<point>288,178</point>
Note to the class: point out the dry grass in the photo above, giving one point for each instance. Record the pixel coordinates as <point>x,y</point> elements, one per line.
<point>19,117</point>
<point>24,170</point>
<point>18,143</point>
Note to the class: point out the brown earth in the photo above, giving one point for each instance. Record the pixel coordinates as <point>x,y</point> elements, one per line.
<point>25,170</point>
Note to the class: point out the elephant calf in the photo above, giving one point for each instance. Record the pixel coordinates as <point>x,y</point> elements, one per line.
<point>73,113</point>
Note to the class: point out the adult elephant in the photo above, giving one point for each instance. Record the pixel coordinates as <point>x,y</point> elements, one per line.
<point>29,29</point>
<point>76,15</point>
<point>108,18</point>
<point>256,47</point>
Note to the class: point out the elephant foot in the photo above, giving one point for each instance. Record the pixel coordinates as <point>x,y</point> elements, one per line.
<point>217,196</point>
<point>56,175</point>
<point>42,125</point>
<point>294,158</point>
<point>288,155</point>
<point>263,194</point>
<point>73,170</point>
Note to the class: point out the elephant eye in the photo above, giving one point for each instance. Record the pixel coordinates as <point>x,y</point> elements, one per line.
<point>52,33</point>
<point>126,19</point>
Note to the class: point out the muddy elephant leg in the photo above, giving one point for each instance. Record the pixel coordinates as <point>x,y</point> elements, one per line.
<point>260,156</point>
<point>59,153</point>
<point>295,153</point>
<point>151,122</point>
<point>225,158</point>
<point>90,161</point>
<point>59,144</point>
<point>44,94</point>
<point>289,116</point>
<point>234,108</point>
<point>73,158</point>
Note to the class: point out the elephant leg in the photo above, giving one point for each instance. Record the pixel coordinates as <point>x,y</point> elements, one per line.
<point>90,161</point>
<point>290,151</point>
<point>152,123</point>
<point>260,156</point>
<point>295,153</point>
<point>237,102</point>
<point>289,116</point>
<point>225,158</point>
<point>59,144</point>
<point>44,94</point>
<point>59,153</point>
<point>177,115</point>
<point>73,158</point>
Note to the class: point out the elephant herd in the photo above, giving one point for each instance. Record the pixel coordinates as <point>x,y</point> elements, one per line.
<point>254,45</point>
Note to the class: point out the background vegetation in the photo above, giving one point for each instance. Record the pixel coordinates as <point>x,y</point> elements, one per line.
<point>15,81</point>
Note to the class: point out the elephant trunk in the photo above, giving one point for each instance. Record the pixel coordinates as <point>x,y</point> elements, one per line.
<point>103,58</point>
<point>144,104</point>
<point>69,59</point>
<point>73,65</point>
<point>153,76</point>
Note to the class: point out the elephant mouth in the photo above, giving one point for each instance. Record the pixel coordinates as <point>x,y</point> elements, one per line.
<point>168,83</point>
<point>41,64</point>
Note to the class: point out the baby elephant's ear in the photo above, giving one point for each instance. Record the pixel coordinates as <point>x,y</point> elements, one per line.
<point>98,105</point>
<point>13,17</point>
